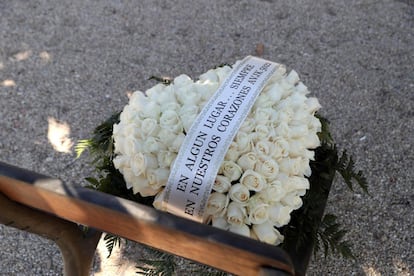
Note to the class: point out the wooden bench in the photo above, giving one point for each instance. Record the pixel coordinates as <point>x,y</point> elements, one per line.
<point>48,207</point>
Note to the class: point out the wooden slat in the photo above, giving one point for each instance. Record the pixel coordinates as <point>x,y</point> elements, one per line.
<point>201,243</point>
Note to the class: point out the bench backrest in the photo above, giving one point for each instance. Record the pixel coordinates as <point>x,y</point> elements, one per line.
<point>201,243</point>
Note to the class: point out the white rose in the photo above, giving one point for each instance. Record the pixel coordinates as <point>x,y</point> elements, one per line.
<point>296,101</point>
<point>262,131</point>
<point>273,192</point>
<point>296,148</point>
<point>127,115</point>
<point>177,142</point>
<point>223,72</point>
<point>220,222</point>
<point>119,142</point>
<point>167,136</point>
<point>248,125</point>
<point>209,76</point>
<point>165,158</point>
<point>221,184</point>
<point>188,95</point>
<point>159,202</point>
<point>242,229</point>
<point>161,94</point>
<point>188,114</point>
<point>313,105</point>
<point>128,176</point>
<point>283,130</point>
<point>265,232</point>
<point>263,114</point>
<point>232,153</point>
<point>244,141</point>
<point>139,183</point>
<point>279,214</point>
<point>149,127</point>
<point>186,92</point>
<point>137,164</point>
<point>206,89</point>
<point>169,120</point>
<point>301,117</point>
<point>236,214</point>
<point>150,110</point>
<point>263,148</point>
<point>294,183</point>
<point>305,167</point>
<point>231,170</point>
<point>216,204</point>
<point>292,77</point>
<point>293,200</point>
<point>298,131</point>
<point>182,81</point>
<point>300,192</point>
<point>262,102</point>
<point>281,148</point>
<point>258,210</point>
<point>140,162</point>
<point>290,166</point>
<point>253,181</point>
<point>268,168</point>
<point>275,93</point>
<point>121,161</point>
<point>287,88</point>
<point>308,155</point>
<point>239,193</point>
<point>157,178</point>
<point>283,115</point>
<point>148,191</point>
<point>301,89</point>
<point>277,75</point>
<point>247,161</point>
<point>314,124</point>
<point>132,131</point>
<point>311,141</point>
<point>138,100</point>
<point>152,145</point>
<point>172,106</point>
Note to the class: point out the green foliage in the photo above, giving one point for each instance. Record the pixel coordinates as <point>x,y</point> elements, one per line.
<point>222,65</point>
<point>162,264</point>
<point>101,143</point>
<point>330,235</point>
<point>346,167</point>
<point>110,242</point>
<point>163,80</point>
<point>325,135</point>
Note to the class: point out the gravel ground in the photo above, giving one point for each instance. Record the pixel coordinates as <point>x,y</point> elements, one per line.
<point>70,64</point>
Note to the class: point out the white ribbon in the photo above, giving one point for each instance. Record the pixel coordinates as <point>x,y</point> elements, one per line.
<point>194,171</point>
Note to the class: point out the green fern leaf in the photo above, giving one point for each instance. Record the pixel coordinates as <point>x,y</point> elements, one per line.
<point>330,235</point>
<point>110,242</point>
<point>163,80</point>
<point>164,265</point>
<point>222,65</point>
<point>81,146</point>
<point>324,135</point>
<point>346,168</point>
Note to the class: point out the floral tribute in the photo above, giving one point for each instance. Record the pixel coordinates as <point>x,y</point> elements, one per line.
<point>264,174</point>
